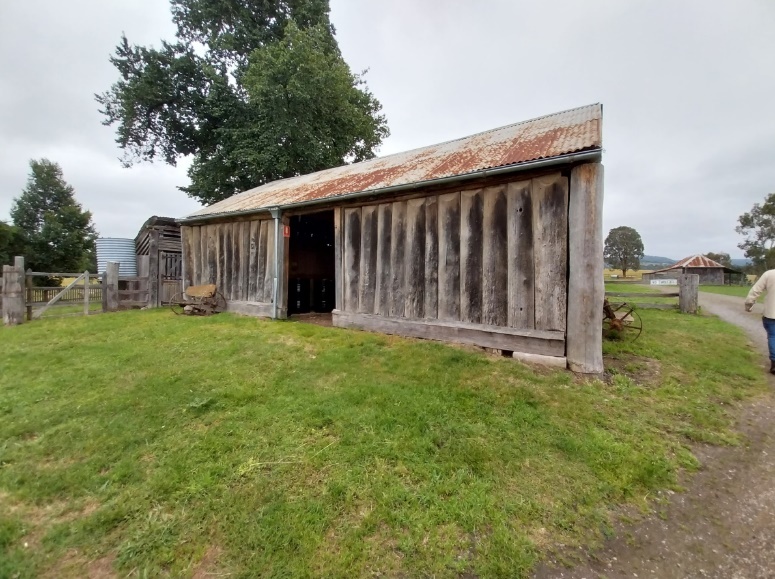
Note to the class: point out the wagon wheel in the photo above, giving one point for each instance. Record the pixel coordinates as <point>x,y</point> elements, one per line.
<point>625,324</point>
<point>220,302</point>
<point>177,303</point>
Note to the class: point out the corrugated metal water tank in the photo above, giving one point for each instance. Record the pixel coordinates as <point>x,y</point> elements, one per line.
<point>117,249</point>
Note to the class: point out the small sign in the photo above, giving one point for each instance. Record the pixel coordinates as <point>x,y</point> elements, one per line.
<point>286,230</point>
<point>664,282</point>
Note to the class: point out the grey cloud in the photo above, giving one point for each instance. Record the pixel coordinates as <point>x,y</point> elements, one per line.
<point>687,89</point>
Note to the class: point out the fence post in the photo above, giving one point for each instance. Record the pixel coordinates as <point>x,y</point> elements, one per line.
<point>110,289</point>
<point>13,293</point>
<point>86,290</point>
<point>28,285</point>
<point>689,287</point>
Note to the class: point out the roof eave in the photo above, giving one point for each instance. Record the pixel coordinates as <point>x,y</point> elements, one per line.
<point>589,155</point>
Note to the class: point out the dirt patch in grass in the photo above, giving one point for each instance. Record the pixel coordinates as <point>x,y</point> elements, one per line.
<point>642,370</point>
<point>76,564</point>
<point>210,564</point>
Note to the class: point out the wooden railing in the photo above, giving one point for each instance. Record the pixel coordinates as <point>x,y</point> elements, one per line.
<point>687,294</point>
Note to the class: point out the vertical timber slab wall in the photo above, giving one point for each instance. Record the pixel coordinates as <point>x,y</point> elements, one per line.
<point>238,257</point>
<point>486,266</point>
<point>586,290</point>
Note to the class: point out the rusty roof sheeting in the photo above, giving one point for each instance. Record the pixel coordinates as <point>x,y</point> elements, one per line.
<point>550,136</point>
<point>697,260</point>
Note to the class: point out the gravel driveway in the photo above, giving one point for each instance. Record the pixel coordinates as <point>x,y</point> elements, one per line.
<point>724,524</point>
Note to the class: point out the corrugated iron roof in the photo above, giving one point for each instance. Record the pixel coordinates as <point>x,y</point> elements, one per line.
<point>697,260</point>
<point>550,136</point>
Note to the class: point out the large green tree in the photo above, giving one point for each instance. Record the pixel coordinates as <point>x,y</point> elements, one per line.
<point>721,257</point>
<point>758,228</point>
<point>55,233</point>
<point>10,244</point>
<point>623,249</point>
<point>252,90</point>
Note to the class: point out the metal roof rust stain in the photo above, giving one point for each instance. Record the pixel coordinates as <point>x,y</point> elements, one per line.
<point>554,135</point>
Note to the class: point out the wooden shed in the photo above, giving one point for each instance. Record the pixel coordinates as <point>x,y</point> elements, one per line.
<point>159,252</point>
<point>493,239</point>
<point>711,272</point>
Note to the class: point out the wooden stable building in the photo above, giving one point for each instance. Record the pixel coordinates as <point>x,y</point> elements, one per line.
<point>493,239</point>
<point>158,248</point>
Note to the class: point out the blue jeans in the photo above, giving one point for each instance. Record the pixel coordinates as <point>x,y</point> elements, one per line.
<point>769,326</point>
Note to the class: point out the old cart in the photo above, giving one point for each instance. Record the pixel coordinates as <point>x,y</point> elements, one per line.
<point>199,300</point>
<point>621,321</point>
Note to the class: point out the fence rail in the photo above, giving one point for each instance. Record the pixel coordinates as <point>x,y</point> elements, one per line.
<point>41,295</point>
<point>687,294</point>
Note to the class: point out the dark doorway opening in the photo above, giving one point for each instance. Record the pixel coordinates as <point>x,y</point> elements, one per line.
<point>311,265</point>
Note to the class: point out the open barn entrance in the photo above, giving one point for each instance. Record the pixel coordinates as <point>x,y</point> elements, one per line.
<point>311,266</point>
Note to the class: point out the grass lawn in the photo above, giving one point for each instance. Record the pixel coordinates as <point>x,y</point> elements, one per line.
<point>150,444</point>
<point>640,288</point>
<point>728,290</point>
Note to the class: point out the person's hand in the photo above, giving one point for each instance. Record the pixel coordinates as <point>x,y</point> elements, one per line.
<point>748,307</point>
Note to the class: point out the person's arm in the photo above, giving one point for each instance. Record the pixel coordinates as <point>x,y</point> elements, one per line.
<point>756,291</point>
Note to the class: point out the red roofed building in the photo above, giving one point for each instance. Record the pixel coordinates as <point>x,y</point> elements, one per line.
<point>710,272</point>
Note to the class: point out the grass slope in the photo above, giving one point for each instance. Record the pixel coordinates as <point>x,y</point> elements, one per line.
<point>151,444</point>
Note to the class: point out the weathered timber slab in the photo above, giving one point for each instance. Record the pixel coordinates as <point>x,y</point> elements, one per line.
<point>546,343</point>
<point>521,271</point>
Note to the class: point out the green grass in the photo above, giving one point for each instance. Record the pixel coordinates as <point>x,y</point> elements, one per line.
<point>640,288</point>
<point>728,290</point>
<point>154,444</point>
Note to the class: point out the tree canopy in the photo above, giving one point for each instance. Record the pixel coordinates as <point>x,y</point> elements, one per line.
<point>10,244</point>
<point>623,249</point>
<point>252,90</point>
<point>721,257</point>
<point>55,233</point>
<point>758,228</point>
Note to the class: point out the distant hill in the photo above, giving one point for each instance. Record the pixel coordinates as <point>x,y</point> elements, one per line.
<point>655,259</point>
<point>740,262</point>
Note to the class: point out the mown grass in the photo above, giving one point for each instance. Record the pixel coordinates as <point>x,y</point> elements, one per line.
<point>640,288</point>
<point>728,290</point>
<point>155,444</point>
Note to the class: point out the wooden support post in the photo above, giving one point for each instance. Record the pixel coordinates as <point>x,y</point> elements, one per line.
<point>153,270</point>
<point>585,284</point>
<point>338,258</point>
<point>86,295</point>
<point>13,294</point>
<point>110,289</point>
<point>28,281</point>
<point>689,286</point>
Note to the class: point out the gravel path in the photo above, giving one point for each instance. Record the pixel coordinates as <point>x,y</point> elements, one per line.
<point>723,526</point>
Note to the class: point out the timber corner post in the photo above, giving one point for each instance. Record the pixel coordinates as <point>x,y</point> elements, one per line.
<point>281,263</point>
<point>689,287</point>
<point>14,288</point>
<point>110,287</point>
<point>586,292</point>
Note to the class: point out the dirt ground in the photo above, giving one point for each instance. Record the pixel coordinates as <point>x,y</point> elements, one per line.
<point>723,525</point>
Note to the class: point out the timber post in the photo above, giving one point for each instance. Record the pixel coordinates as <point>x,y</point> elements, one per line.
<point>154,283</point>
<point>586,291</point>
<point>110,287</point>
<point>689,286</point>
<point>86,290</point>
<point>28,285</point>
<point>13,293</point>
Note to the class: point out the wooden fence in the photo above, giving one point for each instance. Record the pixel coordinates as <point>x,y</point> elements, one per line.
<point>20,299</point>
<point>687,294</point>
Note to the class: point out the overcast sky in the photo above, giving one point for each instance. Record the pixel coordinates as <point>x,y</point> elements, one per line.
<point>688,90</point>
